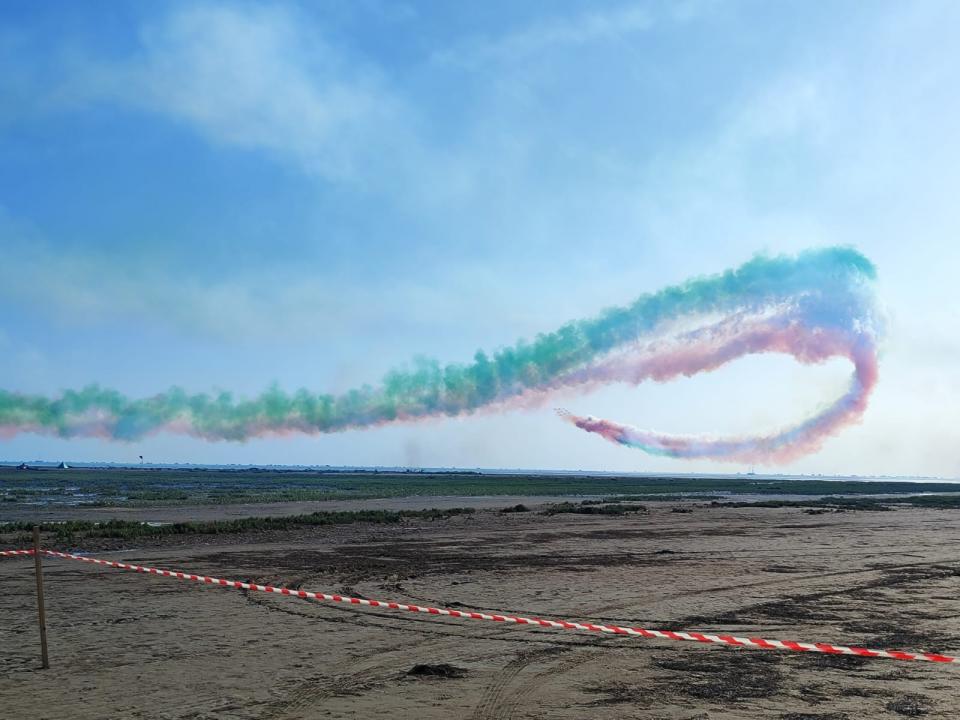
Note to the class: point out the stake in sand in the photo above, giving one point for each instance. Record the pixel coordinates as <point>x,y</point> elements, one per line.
<point>41,609</point>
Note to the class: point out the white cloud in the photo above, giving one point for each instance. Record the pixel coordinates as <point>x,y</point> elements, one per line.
<point>549,34</point>
<point>277,302</point>
<point>259,78</point>
<point>265,78</point>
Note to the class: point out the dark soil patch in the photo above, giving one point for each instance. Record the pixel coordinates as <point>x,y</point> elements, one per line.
<point>910,705</point>
<point>908,575</point>
<point>792,609</point>
<point>619,694</point>
<point>847,663</point>
<point>406,558</point>
<point>896,635</point>
<point>726,676</point>
<point>815,716</point>
<point>913,640</point>
<point>782,569</point>
<point>441,670</point>
<point>812,607</point>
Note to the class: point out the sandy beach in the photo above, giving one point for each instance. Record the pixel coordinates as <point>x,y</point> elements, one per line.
<point>129,645</point>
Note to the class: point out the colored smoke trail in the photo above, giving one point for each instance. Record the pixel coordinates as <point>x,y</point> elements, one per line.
<point>815,306</point>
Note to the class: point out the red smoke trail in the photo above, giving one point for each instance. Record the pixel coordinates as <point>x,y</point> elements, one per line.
<point>719,345</point>
<point>814,306</point>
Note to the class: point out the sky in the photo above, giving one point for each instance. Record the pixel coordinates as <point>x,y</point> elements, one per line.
<point>232,195</point>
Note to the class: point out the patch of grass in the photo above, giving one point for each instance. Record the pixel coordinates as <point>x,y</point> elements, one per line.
<point>659,497</point>
<point>940,502</point>
<point>581,509</point>
<point>76,530</point>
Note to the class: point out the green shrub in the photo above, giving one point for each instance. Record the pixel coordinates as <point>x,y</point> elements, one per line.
<point>581,509</point>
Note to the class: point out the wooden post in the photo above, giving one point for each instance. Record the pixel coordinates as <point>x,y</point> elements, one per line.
<point>38,564</point>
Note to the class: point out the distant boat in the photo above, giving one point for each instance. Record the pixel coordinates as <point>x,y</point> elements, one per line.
<point>63,466</point>
<point>752,470</point>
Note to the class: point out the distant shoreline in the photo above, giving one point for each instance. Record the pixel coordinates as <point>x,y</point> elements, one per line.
<point>85,492</point>
<point>41,465</point>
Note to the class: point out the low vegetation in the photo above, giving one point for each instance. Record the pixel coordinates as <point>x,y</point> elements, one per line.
<point>940,502</point>
<point>588,508</point>
<point>67,533</point>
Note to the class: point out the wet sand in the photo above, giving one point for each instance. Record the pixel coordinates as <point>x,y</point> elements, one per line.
<point>129,645</point>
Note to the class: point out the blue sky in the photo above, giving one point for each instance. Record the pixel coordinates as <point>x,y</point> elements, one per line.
<point>227,195</point>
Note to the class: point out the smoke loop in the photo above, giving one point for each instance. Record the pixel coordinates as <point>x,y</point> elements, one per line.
<point>815,306</point>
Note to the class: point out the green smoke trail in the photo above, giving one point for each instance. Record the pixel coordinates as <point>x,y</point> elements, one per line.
<point>827,287</point>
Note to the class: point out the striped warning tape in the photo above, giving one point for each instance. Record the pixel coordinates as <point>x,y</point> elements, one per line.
<point>10,553</point>
<point>558,624</point>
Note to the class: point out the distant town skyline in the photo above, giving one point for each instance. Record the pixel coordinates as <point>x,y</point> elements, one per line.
<point>232,195</point>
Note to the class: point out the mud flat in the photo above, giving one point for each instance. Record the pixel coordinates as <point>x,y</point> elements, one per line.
<point>130,645</point>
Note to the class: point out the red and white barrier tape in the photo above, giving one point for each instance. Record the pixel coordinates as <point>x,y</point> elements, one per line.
<point>10,553</point>
<point>558,624</point>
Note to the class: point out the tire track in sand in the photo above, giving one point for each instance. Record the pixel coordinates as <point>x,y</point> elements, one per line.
<point>361,674</point>
<point>508,690</point>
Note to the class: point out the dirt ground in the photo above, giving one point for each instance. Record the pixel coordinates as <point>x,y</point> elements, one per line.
<point>125,645</point>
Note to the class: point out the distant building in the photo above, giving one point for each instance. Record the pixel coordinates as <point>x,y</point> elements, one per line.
<point>63,466</point>
<point>23,466</point>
